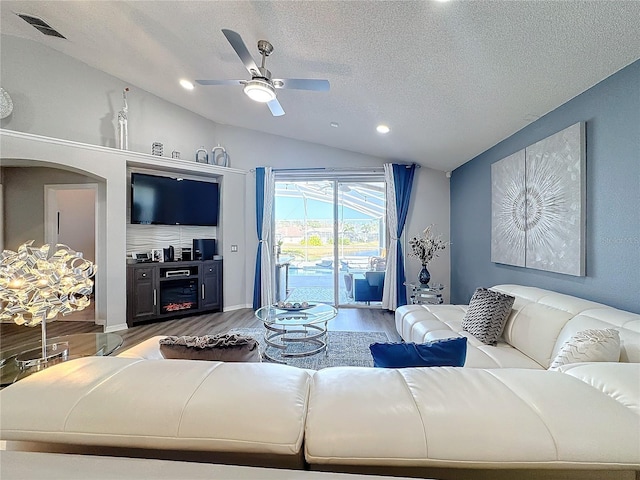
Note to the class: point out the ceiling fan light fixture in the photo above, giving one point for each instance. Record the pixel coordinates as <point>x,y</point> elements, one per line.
<point>260,90</point>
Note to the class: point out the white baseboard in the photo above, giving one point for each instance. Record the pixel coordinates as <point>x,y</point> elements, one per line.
<point>116,328</point>
<point>236,307</point>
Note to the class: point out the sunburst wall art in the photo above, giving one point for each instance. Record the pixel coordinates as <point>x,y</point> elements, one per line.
<point>538,205</point>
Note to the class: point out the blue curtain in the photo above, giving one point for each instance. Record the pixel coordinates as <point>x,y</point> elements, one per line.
<point>403,183</point>
<point>257,300</point>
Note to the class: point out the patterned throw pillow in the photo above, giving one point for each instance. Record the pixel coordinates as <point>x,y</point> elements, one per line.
<point>487,315</point>
<point>589,346</point>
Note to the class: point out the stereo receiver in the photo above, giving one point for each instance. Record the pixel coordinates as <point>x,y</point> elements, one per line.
<point>177,273</point>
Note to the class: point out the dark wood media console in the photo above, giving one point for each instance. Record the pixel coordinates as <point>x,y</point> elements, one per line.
<point>171,289</point>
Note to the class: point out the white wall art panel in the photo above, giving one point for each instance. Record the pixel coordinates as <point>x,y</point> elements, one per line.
<point>538,205</point>
<point>508,204</point>
<point>555,171</point>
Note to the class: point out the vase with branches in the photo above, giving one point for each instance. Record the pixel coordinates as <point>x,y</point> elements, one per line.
<point>424,248</point>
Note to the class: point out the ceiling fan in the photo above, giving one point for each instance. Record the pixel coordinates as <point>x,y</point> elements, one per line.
<point>261,87</point>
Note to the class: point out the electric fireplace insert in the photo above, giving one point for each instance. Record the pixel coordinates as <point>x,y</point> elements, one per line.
<point>179,294</point>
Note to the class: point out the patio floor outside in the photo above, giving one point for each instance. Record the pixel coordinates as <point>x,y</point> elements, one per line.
<point>315,283</point>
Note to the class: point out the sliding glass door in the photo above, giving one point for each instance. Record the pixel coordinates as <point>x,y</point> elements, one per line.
<point>329,233</point>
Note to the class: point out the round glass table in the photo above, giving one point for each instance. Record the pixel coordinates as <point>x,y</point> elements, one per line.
<point>64,348</point>
<point>293,333</point>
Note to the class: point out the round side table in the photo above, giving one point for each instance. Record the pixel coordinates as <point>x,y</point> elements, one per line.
<point>422,293</point>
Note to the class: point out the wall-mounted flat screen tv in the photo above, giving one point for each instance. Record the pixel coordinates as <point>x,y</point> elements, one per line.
<point>159,200</point>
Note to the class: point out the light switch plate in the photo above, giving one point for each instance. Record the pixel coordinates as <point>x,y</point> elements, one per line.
<point>234,248</point>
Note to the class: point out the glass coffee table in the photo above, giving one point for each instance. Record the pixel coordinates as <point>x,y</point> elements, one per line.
<point>63,348</point>
<point>293,333</point>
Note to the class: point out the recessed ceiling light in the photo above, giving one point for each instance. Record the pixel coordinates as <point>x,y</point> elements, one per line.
<point>382,129</point>
<point>186,84</point>
<point>334,124</point>
<point>442,1</point>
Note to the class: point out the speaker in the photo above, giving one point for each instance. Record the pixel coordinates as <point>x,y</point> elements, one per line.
<point>186,254</point>
<point>204,248</point>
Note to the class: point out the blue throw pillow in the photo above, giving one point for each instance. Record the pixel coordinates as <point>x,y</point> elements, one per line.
<point>450,352</point>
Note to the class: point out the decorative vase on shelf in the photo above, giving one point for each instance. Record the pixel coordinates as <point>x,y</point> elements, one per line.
<point>123,123</point>
<point>424,276</point>
<point>201,155</point>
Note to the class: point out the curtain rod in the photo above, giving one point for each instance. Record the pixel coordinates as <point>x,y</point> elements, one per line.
<point>335,169</point>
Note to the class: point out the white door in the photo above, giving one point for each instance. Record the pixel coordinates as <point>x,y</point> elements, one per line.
<point>70,212</point>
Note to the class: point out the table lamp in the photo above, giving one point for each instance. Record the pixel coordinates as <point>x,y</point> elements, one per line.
<point>37,284</point>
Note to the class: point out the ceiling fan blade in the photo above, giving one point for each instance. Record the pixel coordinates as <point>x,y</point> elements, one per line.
<point>302,84</point>
<point>241,49</point>
<point>275,107</point>
<point>220,82</point>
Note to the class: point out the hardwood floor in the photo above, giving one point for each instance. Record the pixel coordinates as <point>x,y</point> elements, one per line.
<point>348,319</point>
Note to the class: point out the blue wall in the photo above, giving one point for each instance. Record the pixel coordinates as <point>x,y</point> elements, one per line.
<point>611,110</point>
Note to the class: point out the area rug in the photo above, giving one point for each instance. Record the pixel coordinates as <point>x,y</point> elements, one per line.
<point>344,349</point>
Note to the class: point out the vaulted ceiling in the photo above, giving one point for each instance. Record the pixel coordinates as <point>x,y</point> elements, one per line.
<point>449,79</point>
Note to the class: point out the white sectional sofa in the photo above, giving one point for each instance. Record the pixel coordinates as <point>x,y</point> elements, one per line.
<point>506,417</point>
<point>539,324</point>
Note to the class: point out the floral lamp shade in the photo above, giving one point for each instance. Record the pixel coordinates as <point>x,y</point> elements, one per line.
<point>38,284</point>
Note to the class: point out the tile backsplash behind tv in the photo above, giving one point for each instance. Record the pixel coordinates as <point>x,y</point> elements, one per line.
<point>144,238</point>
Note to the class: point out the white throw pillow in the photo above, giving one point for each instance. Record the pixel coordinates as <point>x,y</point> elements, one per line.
<point>589,346</point>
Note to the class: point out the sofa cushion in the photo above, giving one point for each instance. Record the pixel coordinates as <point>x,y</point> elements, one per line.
<point>487,314</point>
<point>538,317</point>
<point>443,416</point>
<point>450,352</point>
<point>621,381</point>
<point>626,323</point>
<point>148,349</point>
<point>413,322</point>
<point>231,347</point>
<point>255,408</point>
<point>589,346</point>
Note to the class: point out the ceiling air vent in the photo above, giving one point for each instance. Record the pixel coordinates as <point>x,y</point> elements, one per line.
<point>40,25</point>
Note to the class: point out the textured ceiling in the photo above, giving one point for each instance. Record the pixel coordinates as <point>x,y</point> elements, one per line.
<point>450,79</point>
